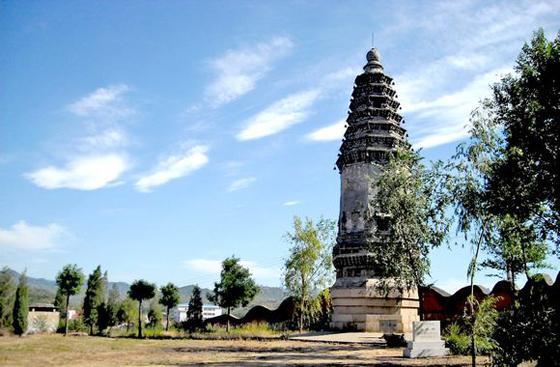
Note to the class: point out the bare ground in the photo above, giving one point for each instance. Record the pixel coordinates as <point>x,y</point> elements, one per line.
<point>57,350</point>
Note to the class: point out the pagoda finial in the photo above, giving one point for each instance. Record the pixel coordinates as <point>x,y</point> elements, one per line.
<point>373,61</point>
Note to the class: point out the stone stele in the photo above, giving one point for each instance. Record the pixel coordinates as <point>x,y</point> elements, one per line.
<point>373,132</point>
<point>426,341</point>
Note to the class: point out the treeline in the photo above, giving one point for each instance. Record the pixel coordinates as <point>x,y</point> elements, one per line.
<point>307,272</point>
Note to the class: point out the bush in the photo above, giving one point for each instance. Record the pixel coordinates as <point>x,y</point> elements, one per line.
<point>76,325</point>
<point>459,342</point>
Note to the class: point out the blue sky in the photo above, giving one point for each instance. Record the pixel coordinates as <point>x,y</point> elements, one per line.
<point>157,138</point>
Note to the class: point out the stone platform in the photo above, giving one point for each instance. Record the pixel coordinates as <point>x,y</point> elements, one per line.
<point>360,304</point>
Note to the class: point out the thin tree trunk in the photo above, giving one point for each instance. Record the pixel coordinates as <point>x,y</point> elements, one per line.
<point>140,319</point>
<point>471,299</point>
<point>167,317</point>
<point>302,303</point>
<point>228,316</point>
<point>66,316</point>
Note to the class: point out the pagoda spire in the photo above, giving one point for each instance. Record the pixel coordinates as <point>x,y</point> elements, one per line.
<point>374,124</point>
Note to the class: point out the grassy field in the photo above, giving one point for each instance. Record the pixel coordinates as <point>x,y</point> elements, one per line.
<point>57,350</point>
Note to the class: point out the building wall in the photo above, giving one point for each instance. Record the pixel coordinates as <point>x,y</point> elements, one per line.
<point>42,321</point>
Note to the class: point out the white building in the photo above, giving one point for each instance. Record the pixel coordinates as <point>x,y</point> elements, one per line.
<point>179,313</point>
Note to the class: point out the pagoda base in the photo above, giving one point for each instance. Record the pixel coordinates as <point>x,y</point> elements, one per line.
<point>359,304</point>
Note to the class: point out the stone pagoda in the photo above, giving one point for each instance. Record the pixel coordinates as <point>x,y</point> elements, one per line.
<point>373,132</point>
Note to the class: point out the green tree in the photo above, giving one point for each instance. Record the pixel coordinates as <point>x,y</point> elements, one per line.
<point>155,315</point>
<point>7,292</point>
<point>524,107</point>
<point>514,248</point>
<point>235,288</point>
<point>127,313</point>
<point>93,298</point>
<point>59,300</point>
<point>409,201</point>
<point>106,316</point>
<point>194,311</point>
<point>321,311</point>
<point>107,311</point>
<point>69,281</point>
<point>139,291</point>
<point>21,307</point>
<point>308,268</point>
<point>169,298</point>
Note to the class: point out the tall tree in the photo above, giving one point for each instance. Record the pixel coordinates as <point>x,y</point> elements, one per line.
<point>139,291</point>
<point>235,288</point>
<point>107,311</point>
<point>69,281</point>
<point>409,200</point>
<point>93,298</point>
<point>7,290</point>
<point>308,269</point>
<point>21,306</point>
<point>194,311</point>
<point>169,298</point>
<point>524,107</point>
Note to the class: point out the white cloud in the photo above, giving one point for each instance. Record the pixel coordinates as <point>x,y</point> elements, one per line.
<point>23,236</point>
<point>279,116</point>
<point>214,267</point>
<point>241,183</point>
<point>174,167</point>
<point>109,138</point>
<point>102,101</point>
<point>443,81</point>
<point>445,118</point>
<point>291,203</point>
<point>82,173</point>
<point>329,133</point>
<point>238,70</point>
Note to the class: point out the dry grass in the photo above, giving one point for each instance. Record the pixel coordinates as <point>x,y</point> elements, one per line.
<point>57,350</point>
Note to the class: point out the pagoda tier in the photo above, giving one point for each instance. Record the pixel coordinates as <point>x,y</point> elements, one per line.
<point>373,121</point>
<point>373,132</point>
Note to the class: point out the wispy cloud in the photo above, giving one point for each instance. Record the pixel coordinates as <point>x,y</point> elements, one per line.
<point>445,118</point>
<point>82,173</point>
<point>329,133</point>
<point>214,267</point>
<point>96,159</point>
<point>23,236</point>
<point>238,70</point>
<point>106,139</point>
<point>173,167</point>
<point>291,203</point>
<point>279,116</point>
<point>241,183</point>
<point>439,90</point>
<point>106,101</point>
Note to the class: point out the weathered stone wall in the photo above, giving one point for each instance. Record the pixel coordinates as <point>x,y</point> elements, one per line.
<point>42,321</point>
<point>357,192</point>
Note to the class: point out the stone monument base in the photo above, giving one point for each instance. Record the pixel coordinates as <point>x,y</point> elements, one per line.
<point>358,303</point>
<point>426,341</point>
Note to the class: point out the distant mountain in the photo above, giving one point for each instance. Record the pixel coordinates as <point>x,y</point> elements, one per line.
<point>44,290</point>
